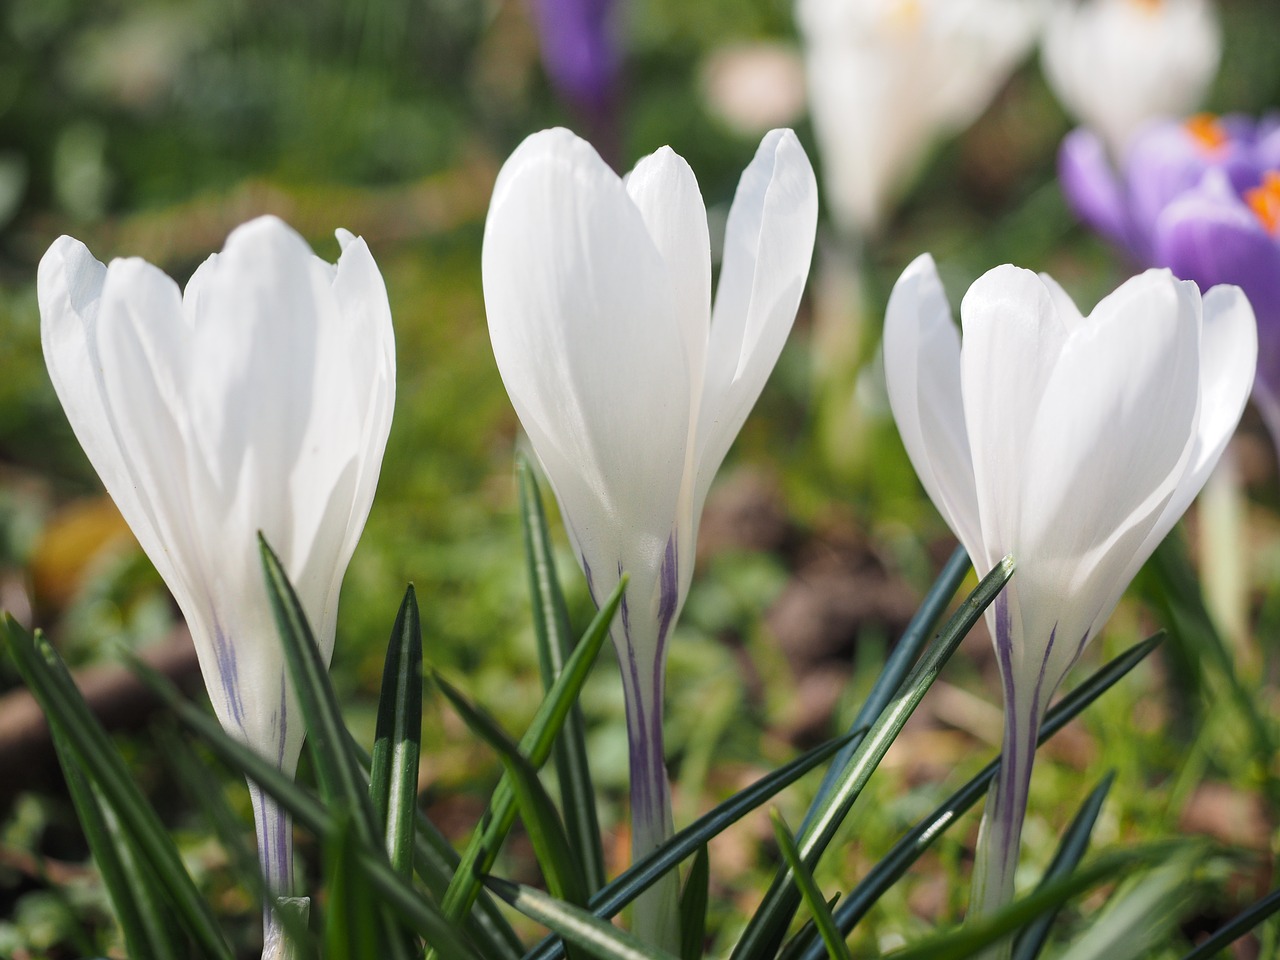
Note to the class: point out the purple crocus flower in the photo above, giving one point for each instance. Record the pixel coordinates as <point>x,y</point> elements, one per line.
<point>1201,197</point>
<point>580,51</point>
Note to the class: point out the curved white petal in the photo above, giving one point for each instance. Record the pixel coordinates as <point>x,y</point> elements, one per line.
<point>768,245</point>
<point>1013,336</point>
<point>665,191</point>
<point>1228,359</point>
<point>589,343</point>
<point>1113,438</point>
<point>69,288</point>
<point>922,370</point>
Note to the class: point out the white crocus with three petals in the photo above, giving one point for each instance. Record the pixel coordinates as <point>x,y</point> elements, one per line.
<point>1073,443</point>
<point>1118,64</point>
<point>888,78</point>
<point>631,386</point>
<point>258,400</point>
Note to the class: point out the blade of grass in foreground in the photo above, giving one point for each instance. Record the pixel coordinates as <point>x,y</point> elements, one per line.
<point>905,652</point>
<point>597,937</point>
<point>837,949</point>
<point>610,899</point>
<point>693,906</point>
<point>134,897</point>
<point>47,678</point>
<point>906,851</point>
<point>555,645</point>
<point>1237,927</point>
<point>393,772</point>
<point>768,926</point>
<point>1068,856</point>
<point>535,745</point>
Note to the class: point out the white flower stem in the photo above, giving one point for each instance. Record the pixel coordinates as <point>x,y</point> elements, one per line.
<point>274,828</point>
<point>655,913</point>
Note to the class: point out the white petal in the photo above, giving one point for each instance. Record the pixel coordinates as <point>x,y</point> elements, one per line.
<point>1228,358</point>
<point>1013,336</point>
<point>587,338</point>
<point>922,370</point>
<point>768,246</point>
<point>666,192</point>
<point>1112,439</point>
<point>143,346</point>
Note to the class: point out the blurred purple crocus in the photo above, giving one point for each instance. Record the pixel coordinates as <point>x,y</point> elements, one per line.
<point>581,54</point>
<point>1201,197</point>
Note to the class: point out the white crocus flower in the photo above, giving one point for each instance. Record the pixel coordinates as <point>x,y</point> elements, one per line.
<point>887,78</point>
<point>1073,443</point>
<point>258,400</point>
<point>1117,64</point>
<point>630,385</point>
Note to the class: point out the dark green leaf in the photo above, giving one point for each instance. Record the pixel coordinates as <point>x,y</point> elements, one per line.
<point>907,850</point>
<point>597,937</point>
<point>555,645</point>
<point>559,864</point>
<point>535,745</point>
<point>1237,927</point>
<point>768,926</point>
<point>352,914</point>
<point>637,878</point>
<point>837,949</point>
<point>693,906</point>
<point>1068,856</point>
<point>393,783</point>
<point>904,654</point>
<point>48,679</point>
<point>134,896</point>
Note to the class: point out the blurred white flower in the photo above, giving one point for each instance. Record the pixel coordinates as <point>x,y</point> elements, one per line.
<point>887,78</point>
<point>258,400</point>
<point>1117,64</point>
<point>630,385</point>
<point>1073,443</point>
<point>754,87</point>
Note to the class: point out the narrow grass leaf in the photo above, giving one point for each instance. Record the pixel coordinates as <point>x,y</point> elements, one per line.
<point>337,770</point>
<point>397,745</point>
<point>837,949</point>
<point>47,678</point>
<point>693,906</point>
<point>597,937</point>
<point>134,898</point>
<point>906,851</point>
<point>535,745</point>
<point>351,912</point>
<point>905,652</point>
<point>982,932</point>
<point>559,864</point>
<point>1067,857</point>
<point>434,861</point>
<point>1236,928</point>
<point>768,926</point>
<point>555,644</point>
<point>615,895</point>
<point>807,938</point>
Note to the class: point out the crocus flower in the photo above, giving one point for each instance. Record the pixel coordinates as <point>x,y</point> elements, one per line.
<point>887,78</point>
<point>1201,197</point>
<point>1117,64</point>
<point>631,386</point>
<point>1073,443</point>
<point>257,400</point>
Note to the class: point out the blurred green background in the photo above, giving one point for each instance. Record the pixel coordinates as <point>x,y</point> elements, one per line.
<point>153,128</point>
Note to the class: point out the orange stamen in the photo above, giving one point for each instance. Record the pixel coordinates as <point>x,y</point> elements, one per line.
<point>1264,201</point>
<point>1207,131</point>
<point>906,14</point>
<point>1148,6</point>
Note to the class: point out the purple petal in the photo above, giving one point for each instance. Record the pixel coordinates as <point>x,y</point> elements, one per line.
<point>1091,187</point>
<point>1210,235</point>
<point>580,50</point>
<point>1164,161</point>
